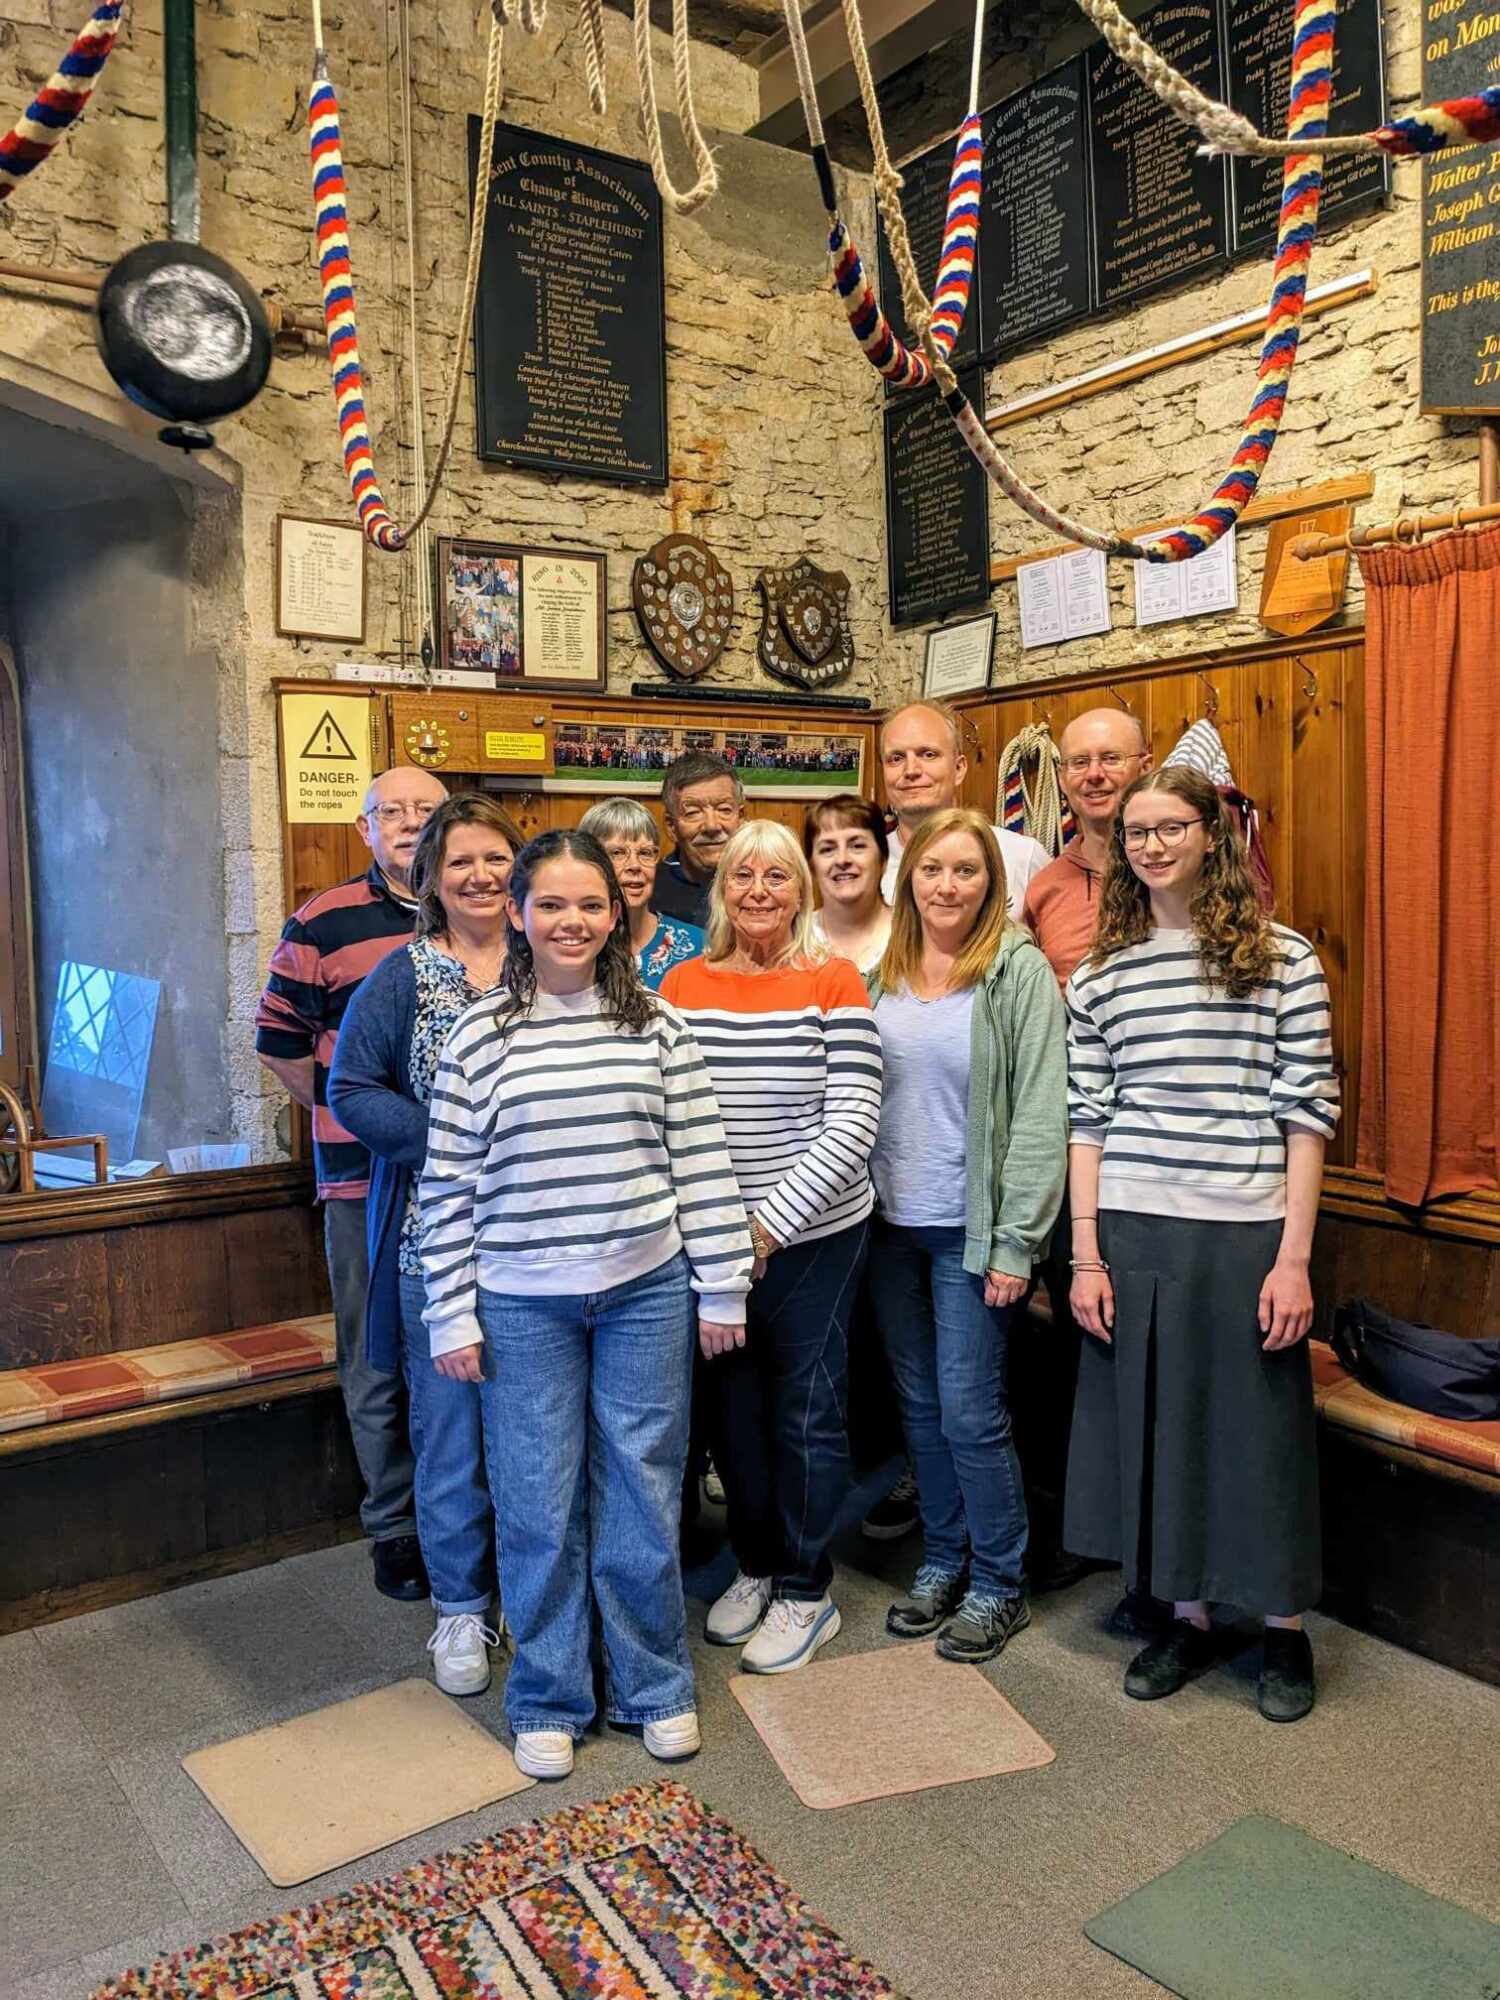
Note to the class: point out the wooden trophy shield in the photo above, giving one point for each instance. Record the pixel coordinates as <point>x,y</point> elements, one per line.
<point>684,599</point>
<point>804,629</point>
<point>1297,596</point>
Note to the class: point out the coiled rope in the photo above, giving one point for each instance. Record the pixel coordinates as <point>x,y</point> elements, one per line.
<point>336,275</point>
<point>61,99</point>
<point>1030,788</point>
<point>682,201</point>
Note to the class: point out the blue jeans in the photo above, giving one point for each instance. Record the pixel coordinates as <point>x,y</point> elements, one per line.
<point>948,1353</point>
<point>779,1413</point>
<point>586,1419</point>
<point>455,1522</point>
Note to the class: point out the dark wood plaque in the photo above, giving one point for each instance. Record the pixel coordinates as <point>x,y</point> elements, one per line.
<point>1460,225</point>
<point>1034,214</point>
<point>1160,212</point>
<point>570,330</point>
<point>684,602</point>
<point>1258,45</point>
<point>937,518</point>
<point>924,199</point>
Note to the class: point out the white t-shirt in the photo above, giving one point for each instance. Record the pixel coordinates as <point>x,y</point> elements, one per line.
<point>1023,858</point>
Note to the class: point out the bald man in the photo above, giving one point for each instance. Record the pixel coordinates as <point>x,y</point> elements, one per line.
<point>326,949</point>
<point>922,757</point>
<point>1103,751</point>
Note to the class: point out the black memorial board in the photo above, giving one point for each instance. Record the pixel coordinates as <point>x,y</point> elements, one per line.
<point>937,515</point>
<point>1034,215</point>
<point>570,332</point>
<point>1258,44</point>
<point>1460,221</point>
<point>1160,212</point>
<point>924,202</point>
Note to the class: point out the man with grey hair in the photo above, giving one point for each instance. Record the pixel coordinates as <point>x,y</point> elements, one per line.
<point>326,949</point>
<point>704,802</point>
<point>922,758</point>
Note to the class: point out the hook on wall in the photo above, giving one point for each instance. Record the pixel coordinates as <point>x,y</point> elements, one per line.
<point>1309,678</point>
<point>1211,699</point>
<point>1042,715</point>
<point>1110,688</point>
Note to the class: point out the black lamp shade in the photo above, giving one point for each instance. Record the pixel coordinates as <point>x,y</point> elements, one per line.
<point>182,334</point>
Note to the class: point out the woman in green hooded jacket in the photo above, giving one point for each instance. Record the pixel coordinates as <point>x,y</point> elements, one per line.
<point>969,1169</point>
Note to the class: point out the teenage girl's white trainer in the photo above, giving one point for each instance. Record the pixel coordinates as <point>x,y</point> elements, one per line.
<point>790,1634</point>
<point>735,1615</point>
<point>460,1653</point>
<point>674,1739</point>
<point>544,1753</point>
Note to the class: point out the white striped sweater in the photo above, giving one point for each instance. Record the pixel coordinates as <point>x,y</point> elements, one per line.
<point>567,1155</point>
<point>794,1055</point>
<point>1189,1092</point>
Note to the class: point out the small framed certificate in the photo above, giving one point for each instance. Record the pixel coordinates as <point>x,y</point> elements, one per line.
<point>320,579</point>
<point>960,657</point>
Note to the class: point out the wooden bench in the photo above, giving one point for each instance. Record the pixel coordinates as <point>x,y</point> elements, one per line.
<point>171,1408</point>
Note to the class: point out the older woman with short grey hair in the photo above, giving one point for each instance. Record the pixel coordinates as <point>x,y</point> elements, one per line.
<point>628,834</point>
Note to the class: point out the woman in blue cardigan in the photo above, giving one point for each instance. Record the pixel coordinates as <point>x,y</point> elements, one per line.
<point>379,1087</point>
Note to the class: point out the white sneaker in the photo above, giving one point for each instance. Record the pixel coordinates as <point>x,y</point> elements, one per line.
<point>544,1753</point>
<point>790,1634</point>
<point>734,1616</point>
<point>460,1653</point>
<point>674,1739</point>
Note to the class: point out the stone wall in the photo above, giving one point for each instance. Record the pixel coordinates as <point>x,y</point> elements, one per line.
<point>1155,450</point>
<point>773,426</point>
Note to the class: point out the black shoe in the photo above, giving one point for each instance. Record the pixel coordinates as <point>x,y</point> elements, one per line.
<point>399,1568</point>
<point>1138,1615</point>
<point>894,1516</point>
<point>934,1596</point>
<point>1057,1570</point>
<point>1286,1691</point>
<point>984,1626</point>
<point>1169,1662</point>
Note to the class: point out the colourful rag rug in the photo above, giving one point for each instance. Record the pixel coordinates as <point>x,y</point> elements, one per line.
<point>645,1896</point>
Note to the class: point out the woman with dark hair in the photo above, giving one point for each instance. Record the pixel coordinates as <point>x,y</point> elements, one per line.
<point>1202,1094</point>
<point>969,1169</point>
<point>379,1089</point>
<point>846,845</point>
<point>577,1194</point>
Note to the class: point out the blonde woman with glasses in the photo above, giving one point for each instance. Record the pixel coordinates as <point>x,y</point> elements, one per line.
<point>790,1043</point>
<point>969,1169</point>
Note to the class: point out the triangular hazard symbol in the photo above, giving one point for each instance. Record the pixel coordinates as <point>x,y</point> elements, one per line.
<point>328,743</point>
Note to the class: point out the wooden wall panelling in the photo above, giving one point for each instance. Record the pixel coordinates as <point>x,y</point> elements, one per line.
<point>56,1294</point>
<point>167,1282</point>
<point>275,1265</point>
<point>458,716</point>
<point>1355,857</point>
<point>1316,841</point>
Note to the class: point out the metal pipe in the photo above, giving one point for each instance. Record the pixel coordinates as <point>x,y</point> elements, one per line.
<point>180,65</point>
<point>1489,461</point>
<point>1408,528</point>
<point>306,320</point>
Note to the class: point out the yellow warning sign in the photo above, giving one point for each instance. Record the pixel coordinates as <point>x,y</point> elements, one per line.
<point>325,748</point>
<point>529,745</point>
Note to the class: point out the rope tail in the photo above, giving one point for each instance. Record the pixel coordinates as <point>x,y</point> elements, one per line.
<point>61,100</point>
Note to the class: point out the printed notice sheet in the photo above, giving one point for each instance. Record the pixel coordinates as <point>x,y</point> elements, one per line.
<point>1209,582</point>
<point>1066,597</point>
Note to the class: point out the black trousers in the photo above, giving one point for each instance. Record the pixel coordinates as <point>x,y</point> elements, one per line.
<point>779,1413</point>
<point>1043,1385</point>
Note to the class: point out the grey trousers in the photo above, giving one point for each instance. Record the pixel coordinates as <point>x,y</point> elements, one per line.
<point>374,1401</point>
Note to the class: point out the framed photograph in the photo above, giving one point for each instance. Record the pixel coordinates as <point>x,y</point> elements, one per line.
<point>960,658</point>
<point>772,763</point>
<point>526,617</point>
<point>320,579</point>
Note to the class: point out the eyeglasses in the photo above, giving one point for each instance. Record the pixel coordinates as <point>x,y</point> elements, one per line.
<point>774,879</point>
<point>1109,761</point>
<point>623,851</point>
<point>397,809</point>
<point>696,814</point>
<point>1170,832</point>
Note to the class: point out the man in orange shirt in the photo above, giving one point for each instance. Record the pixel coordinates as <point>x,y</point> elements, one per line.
<point>1103,751</point>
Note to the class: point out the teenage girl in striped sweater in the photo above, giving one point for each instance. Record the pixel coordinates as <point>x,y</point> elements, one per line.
<point>577,1193</point>
<point>1201,1094</point>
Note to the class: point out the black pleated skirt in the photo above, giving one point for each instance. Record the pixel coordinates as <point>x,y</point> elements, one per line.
<point>1193,1456</point>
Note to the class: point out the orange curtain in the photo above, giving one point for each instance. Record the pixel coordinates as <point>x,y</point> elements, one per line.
<point>1428,1091</point>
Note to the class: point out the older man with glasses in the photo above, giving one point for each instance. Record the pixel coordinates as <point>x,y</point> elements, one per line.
<point>326,949</point>
<point>703,802</point>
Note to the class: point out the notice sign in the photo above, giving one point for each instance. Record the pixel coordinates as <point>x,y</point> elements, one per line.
<point>320,579</point>
<point>325,757</point>
<point>1460,220</point>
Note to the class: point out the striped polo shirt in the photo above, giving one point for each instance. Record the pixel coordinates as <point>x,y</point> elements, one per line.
<point>795,1059</point>
<point>326,949</point>
<point>568,1155</point>
<point>1191,1093</point>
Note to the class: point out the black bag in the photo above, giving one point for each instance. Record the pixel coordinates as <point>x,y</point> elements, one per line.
<point>1417,1364</point>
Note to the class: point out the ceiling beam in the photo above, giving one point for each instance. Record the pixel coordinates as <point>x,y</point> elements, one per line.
<point>897,32</point>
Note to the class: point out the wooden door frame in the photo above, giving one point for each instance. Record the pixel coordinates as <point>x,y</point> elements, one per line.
<point>18,1012</point>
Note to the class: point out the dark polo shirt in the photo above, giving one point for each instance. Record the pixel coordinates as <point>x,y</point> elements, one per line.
<point>678,894</point>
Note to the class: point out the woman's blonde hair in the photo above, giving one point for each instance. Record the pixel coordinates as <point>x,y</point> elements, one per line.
<point>903,954</point>
<point>1236,945</point>
<point>764,840</point>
